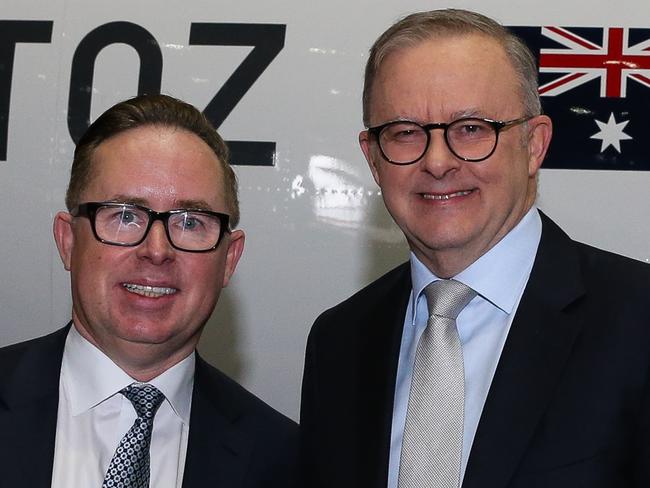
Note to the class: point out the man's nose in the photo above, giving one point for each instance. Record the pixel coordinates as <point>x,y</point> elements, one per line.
<point>438,160</point>
<point>156,246</point>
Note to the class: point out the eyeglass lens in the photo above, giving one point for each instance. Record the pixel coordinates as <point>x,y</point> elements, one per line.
<point>127,225</point>
<point>406,142</point>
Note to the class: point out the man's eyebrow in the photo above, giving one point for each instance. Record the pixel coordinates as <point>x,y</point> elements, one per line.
<point>189,203</point>
<point>121,198</point>
<point>193,204</point>
<point>468,112</point>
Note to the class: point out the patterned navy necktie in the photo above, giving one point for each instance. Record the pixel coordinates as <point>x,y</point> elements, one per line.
<point>129,467</point>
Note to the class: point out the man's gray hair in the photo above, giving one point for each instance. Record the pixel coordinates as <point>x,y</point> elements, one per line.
<point>422,26</point>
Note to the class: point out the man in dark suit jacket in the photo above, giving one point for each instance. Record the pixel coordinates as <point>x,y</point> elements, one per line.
<point>141,293</point>
<point>557,376</point>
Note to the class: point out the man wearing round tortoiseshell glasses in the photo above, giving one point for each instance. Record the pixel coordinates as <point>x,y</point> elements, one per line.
<point>503,354</point>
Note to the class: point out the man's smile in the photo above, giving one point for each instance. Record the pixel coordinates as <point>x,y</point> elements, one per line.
<point>149,291</point>
<point>445,196</point>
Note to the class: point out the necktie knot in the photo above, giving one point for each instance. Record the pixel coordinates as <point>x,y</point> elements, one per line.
<point>145,399</point>
<point>446,298</point>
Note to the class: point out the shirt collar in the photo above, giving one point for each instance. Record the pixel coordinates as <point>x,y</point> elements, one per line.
<point>501,274</point>
<point>90,377</point>
<point>176,384</point>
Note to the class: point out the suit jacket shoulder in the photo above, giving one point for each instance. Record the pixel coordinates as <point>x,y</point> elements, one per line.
<point>390,289</point>
<point>629,276</point>
<point>23,357</point>
<point>348,383</point>
<point>29,397</point>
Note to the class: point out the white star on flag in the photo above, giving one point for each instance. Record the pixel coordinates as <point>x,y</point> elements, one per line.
<point>611,133</point>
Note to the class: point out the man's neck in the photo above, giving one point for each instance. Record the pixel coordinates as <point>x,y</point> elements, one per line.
<point>449,262</point>
<point>142,362</point>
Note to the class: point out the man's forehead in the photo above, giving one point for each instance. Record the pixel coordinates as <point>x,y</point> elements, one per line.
<point>170,142</point>
<point>457,76</point>
<point>456,43</point>
<point>156,167</point>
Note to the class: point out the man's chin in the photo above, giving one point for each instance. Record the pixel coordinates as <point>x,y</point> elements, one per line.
<point>145,335</point>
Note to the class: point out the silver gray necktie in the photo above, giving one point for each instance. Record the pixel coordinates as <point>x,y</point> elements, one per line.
<point>129,467</point>
<point>433,435</point>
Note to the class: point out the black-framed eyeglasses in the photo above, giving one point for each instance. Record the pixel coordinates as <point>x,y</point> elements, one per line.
<point>470,138</point>
<point>126,224</point>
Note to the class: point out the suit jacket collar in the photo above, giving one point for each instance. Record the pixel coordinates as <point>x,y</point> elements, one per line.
<point>537,347</point>
<point>218,452</point>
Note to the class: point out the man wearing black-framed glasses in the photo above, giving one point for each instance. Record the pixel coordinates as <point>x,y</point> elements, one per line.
<point>119,397</point>
<point>503,354</point>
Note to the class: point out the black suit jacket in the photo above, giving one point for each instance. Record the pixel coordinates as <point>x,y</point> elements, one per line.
<point>235,440</point>
<point>569,405</point>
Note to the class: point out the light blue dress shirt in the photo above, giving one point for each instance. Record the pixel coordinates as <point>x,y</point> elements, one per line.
<point>499,278</point>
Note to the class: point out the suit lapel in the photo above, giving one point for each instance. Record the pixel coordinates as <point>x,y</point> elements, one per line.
<point>217,452</point>
<point>381,338</point>
<point>538,345</point>
<point>29,398</point>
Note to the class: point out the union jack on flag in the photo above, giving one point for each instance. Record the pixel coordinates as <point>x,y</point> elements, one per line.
<point>613,62</point>
<point>595,85</point>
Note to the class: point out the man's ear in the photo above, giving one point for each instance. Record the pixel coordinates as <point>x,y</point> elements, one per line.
<point>64,237</point>
<point>366,147</point>
<point>539,138</point>
<point>235,250</point>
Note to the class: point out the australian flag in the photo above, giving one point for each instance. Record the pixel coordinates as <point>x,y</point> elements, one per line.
<point>595,84</point>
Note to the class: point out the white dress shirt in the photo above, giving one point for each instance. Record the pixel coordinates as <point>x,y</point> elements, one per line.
<point>93,416</point>
<point>499,278</point>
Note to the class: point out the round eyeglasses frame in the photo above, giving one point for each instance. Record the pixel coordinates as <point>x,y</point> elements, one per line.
<point>497,126</point>
<point>89,210</point>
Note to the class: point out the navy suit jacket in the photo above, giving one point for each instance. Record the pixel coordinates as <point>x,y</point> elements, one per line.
<point>235,440</point>
<point>569,405</point>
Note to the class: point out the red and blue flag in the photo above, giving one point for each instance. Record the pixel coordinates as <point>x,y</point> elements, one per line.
<point>595,85</point>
